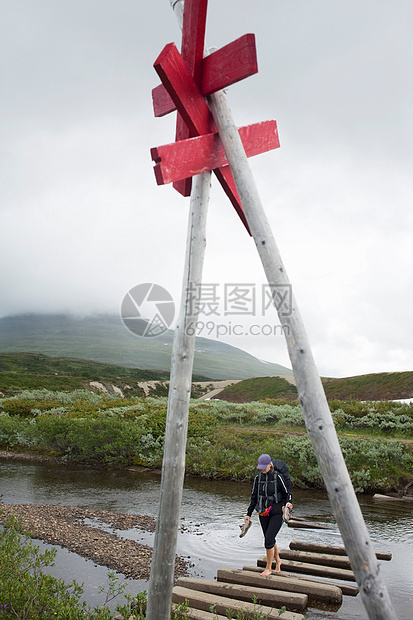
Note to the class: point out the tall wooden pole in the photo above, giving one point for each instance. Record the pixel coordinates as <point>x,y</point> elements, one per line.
<point>173,466</point>
<point>319,423</point>
<point>315,408</point>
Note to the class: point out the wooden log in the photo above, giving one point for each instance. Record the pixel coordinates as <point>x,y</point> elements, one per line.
<point>391,498</point>
<point>312,569</point>
<point>299,545</point>
<point>334,561</point>
<point>173,465</point>
<point>204,601</point>
<point>199,614</point>
<point>347,589</point>
<point>327,593</point>
<point>293,601</point>
<point>308,525</point>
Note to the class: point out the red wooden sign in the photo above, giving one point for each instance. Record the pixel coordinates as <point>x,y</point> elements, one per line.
<point>187,78</point>
<point>226,66</point>
<point>196,155</point>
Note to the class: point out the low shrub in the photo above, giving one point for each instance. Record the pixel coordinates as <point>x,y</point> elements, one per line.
<point>25,591</point>
<point>89,440</point>
<point>223,438</point>
<point>389,422</point>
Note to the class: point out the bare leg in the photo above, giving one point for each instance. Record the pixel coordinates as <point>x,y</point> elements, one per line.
<point>277,560</point>
<point>270,556</point>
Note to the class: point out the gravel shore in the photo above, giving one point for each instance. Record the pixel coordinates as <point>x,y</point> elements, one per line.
<point>65,526</point>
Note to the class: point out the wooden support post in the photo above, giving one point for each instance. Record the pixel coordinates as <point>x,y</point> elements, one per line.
<point>317,416</point>
<point>314,404</point>
<point>173,466</point>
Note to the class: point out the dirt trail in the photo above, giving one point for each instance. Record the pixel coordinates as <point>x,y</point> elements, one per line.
<point>220,385</point>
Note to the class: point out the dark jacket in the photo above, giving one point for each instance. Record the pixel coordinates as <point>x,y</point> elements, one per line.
<point>273,489</point>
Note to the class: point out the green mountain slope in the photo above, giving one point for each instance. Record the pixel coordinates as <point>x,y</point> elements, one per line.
<point>103,338</point>
<point>32,371</point>
<point>376,386</point>
<point>259,388</point>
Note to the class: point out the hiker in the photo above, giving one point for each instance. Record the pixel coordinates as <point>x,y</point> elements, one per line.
<point>271,495</point>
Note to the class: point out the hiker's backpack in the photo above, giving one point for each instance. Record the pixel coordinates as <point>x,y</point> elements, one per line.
<point>284,475</point>
<point>276,489</point>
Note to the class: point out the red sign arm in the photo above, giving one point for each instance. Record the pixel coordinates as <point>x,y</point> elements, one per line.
<point>192,51</point>
<point>179,160</point>
<point>181,86</point>
<point>226,66</point>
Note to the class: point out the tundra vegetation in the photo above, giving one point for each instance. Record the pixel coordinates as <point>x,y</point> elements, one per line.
<point>223,438</point>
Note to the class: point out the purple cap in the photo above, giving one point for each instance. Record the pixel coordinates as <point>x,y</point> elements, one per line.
<point>263,461</point>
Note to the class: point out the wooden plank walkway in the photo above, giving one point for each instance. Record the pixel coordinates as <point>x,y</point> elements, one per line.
<point>300,523</point>
<point>272,598</point>
<point>296,588</point>
<point>324,559</point>
<point>319,548</point>
<point>314,591</point>
<point>220,604</point>
<point>349,590</point>
<point>304,567</point>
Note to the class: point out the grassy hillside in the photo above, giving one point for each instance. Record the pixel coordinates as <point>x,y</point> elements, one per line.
<point>30,371</point>
<point>103,338</point>
<point>377,386</point>
<point>259,388</point>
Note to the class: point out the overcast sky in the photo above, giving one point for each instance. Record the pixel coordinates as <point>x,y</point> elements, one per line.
<point>82,220</point>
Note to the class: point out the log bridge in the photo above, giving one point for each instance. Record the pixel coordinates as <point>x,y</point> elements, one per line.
<point>313,575</point>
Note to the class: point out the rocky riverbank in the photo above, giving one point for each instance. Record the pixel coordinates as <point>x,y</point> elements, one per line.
<point>66,526</point>
<point>30,456</point>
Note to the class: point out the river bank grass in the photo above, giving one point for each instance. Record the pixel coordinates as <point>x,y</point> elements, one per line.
<point>224,439</point>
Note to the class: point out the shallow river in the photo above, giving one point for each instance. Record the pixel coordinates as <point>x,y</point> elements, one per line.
<point>211,512</point>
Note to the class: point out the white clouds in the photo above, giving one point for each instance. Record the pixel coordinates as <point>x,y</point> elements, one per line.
<point>82,220</point>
